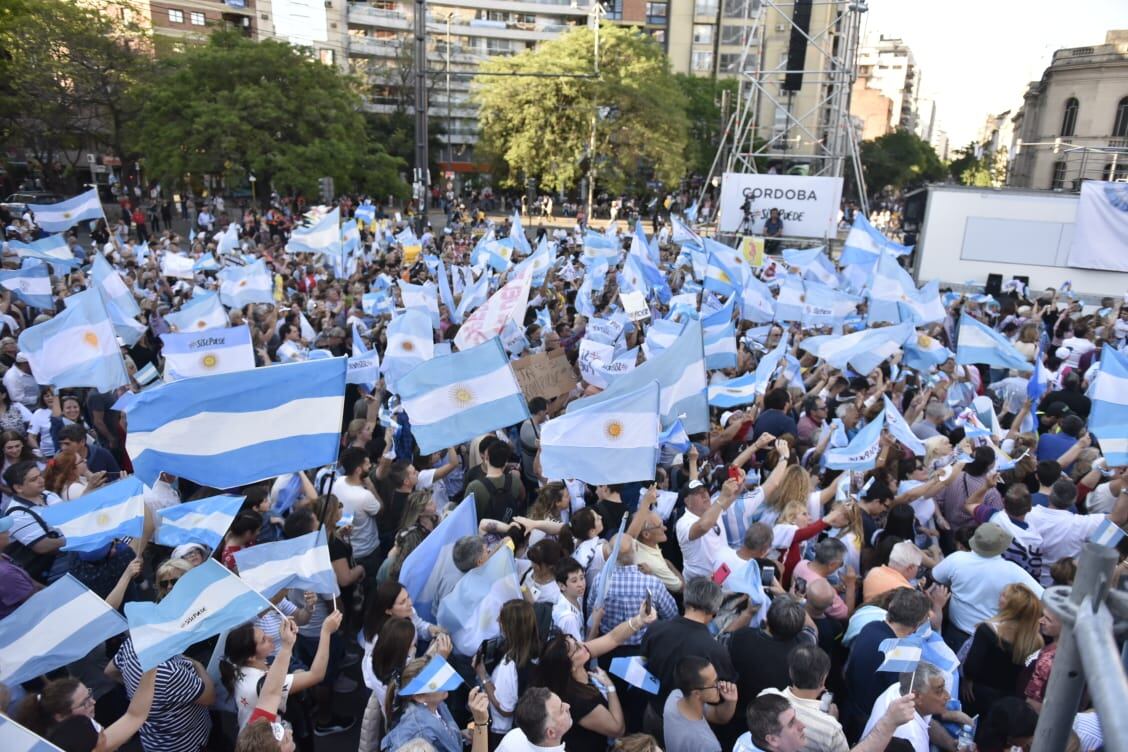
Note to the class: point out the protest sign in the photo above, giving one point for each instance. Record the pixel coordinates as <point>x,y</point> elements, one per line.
<point>635,305</point>
<point>547,375</point>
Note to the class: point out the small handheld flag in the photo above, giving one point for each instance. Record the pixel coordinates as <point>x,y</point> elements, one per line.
<point>901,656</point>
<point>436,676</point>
<point>632,670</point>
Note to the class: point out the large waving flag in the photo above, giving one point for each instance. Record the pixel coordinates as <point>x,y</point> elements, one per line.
<point>474,293</point>
<point>734,392</point>
<point>719,338</point>
<point>64,215</point>
<point>719,278</point>
<point>790,303</point>
<point>1109,418</point>
<point>865,242</point>
<point>768,364</point>
<point>53,249</point>
<point>199,313</point>
<point>863,350</point>
<point>302,563</point>
<point>445,294</point>
<point>77,347</point>
<point>204,602</point>
<point>507,303</point>
<point>978,343</point>
<point>614,441</point>
<point>424,567</point>
<point>890,285</point>
<point>54,627</point>
<point>453,398</point>
<point>469,612</point>
<point>600,246</point>
<point>113,287</point>
<point>826,306</point>
<point>204,521</point>
<point>323,236</point>
<point>208,352</point>
<point>861,453</point>
<point>757,304</point>
<point>517,235</point>
<point>423,298</point>
<point>364,364</point>
<point>98,517</point>
<point>237,428</point>
<point>923,352</point>
<point>411,341</point>
<point>899,428</point>
<point>240,285</point>
<point>178,265</point>
<point>680,372</point>
<point>31,285</point>
<point>661,334</point>
<point>538,263</point>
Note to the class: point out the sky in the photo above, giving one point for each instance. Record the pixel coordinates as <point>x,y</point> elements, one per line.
<point>977,56</point>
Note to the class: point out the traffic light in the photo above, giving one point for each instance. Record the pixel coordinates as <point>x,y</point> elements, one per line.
<point>327,192</point>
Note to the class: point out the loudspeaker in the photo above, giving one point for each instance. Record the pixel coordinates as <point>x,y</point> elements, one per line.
<point>994,286</point>
<point>797,48</point>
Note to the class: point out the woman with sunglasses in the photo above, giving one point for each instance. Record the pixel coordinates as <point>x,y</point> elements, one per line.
<point>66,706</point>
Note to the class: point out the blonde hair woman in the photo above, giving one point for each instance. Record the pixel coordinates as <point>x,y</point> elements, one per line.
<point>999,650</point>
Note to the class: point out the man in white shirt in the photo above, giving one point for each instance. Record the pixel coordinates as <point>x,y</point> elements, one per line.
<point>699,530</point>
<point>1102,499</point>
<point>358,500</point>
<point>1079,344</point>
<point>291,350</point>
<point>931,698</point>
<point>540,721</point>
<point>1063,532</point>
<point>21,385</point>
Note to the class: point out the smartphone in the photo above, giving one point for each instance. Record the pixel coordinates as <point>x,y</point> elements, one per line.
<point>722,573</point>
<point>648,604</point>
<point>734,472</point>
<point>800,586</point>
<point>826,701</point>
<point>768,575</point>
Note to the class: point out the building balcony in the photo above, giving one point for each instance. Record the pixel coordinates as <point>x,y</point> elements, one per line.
<point>369,47</point>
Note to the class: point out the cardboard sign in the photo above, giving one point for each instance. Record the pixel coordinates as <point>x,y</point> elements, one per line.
<point>635,305</point>
<point>752,248</point>
<point>547,375</point>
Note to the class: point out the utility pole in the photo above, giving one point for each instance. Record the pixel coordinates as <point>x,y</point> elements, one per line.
<point>594,16</point>
<point>422,173</point>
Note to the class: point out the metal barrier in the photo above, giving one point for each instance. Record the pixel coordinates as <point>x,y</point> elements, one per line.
<point>1087,656</point>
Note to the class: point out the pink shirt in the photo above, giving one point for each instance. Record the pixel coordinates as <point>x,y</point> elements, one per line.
<point>838,608</point>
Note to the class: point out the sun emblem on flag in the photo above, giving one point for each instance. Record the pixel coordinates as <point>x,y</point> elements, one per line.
<point>103,519</point>
<point>24,286</point>
<point>613,429</point>
<point>461,395</point>
<point>67,215</point>
<point>90,338</point>
<point>407,345</point>
<point>209,361</point>
<point>201,324</point>
<point>242,283</point>
<point>924,341</point>
<point>432,685</point>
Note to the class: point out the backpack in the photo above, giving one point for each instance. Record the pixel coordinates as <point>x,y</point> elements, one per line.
<point>38,566</point>
<point>501,503</point>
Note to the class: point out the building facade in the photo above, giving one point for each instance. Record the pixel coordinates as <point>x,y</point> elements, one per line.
<point>1073,123</point>
<point>886,65</point>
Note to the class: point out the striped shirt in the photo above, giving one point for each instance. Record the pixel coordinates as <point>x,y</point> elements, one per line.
<point>823,731</point>
<point>176,723</point>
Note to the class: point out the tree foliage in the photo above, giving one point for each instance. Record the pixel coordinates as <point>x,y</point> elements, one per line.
<point>899,159</point>
<point>987,170</point>
<point>233,106</point>
<point>67,74</point>
<point>703,109</point>
<point>541,127</point>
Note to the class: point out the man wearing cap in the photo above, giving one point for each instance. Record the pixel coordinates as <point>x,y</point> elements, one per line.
<point>977,578</point>
<point>699,530</point>
<point>21,385</point>
<point>1054,445</point>
<point>1049,416</point>
<point>1070,395</point>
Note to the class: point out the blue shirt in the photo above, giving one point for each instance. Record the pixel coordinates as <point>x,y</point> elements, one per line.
<point>1053,445</point>
<point>417,722</point>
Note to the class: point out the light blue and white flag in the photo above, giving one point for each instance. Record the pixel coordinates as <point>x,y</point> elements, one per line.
<point>54,627</point>
<point>674,438</point>
<point>199,313</point>
<point>517,235</point>
<point>425,566</point>
<point>436,676</point>
<point>1108,420</point>
<point>734,392</point>
<point>423,298</point>
<point>208,352</point>
<point>364,364</point>
<point>632,670</point>
<point>453,398</point>
<point>301,563</point>
<point>613,441</point>
<point>661,334</point>
<point>16,738</point>
<point>227,241</point>
<point>377,303</point>
<point>53,249</point>
<point>718,277</point>
<point>901,655</point>
<point>474,295</point>
<point>445,294</point>
<point>207,600</point>
<point>748,580</point>
<point>680,372</point>
<point>323,236</point>
<point>178,265</point>
<point>719,338</point>
<point>411,341</point>
<point>768,364</point>
<point>863,350</point>
<point>30,285</point>
<point>923,352</point>
<point>252,283</point>
<point>865,242</point>
<point>539,263</point>
<point>757,304</point>
<point>204,521</point>
<point>469,612</point>
<point>1108,534</point>
<point>861,453</point>
<point>791,300</point>
<point>494,253</point>
<point>77,347</point>
<point>891,285</point>
<point>597,245</point>
<point>899,428</point>
<point>350,237</point>
<point>237,428</point>
<point>366,213</point>
<point>978,343</point>
<point>147,375</point>
<point>66,214</point>
<point>682,235</point>
<point>98,517</point>
<point>206,263</point>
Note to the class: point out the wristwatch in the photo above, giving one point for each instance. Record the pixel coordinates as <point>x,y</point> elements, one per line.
<point>475,726</point>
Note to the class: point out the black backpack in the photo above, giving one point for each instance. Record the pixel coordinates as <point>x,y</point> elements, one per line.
<point>38,566</point>
<point>501,503</point>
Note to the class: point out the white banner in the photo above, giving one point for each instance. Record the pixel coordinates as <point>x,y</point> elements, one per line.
<point>808,206</point>
<point>1100,234</point>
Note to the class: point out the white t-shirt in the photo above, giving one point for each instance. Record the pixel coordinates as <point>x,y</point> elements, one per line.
<point>505,691</point>
<point>40,427</point>
<point>1101,500</point>
<point>568,619</point>
<point>247,692</point>
<point>363,506</point>
<point>291,352</point>
<point>700,556</point>
<point>915,732</point>
<point>1078,346</point>
<point>1063,532</point>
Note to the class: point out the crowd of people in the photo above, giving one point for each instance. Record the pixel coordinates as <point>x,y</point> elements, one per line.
<point>759,587</point>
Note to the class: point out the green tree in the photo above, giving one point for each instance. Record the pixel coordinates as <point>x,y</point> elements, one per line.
<point>703,109</point>
<point>541,126</point>
<point>233,106</point>
<point>899,159</point>
<point>988,170</point>
<point>67,75</point>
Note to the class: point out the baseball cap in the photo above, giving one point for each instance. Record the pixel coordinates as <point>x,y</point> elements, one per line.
<point>1055,410</point>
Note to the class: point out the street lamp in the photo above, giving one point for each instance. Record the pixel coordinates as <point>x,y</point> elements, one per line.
<point>253,180</point>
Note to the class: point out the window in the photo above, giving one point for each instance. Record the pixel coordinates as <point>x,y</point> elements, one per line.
<point>1057,182</point>
<point>730,62</point>
<point>705,8</point>
<point>1120,125</point>
<point>1117,173</point>
<point>1069,117</point>
<point>740,8</point>
<point>736,34</point>
<point>326,56</point>
<point>659,35</point>
<point>175,16</point>
<point>656,12</point>
<point>196,18</point>
<point>702,61</point>
<point>702,34</point>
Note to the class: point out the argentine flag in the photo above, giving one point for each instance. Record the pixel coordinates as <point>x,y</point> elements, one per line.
<point>1109,418</point>
<point>364,364</point>
<point>377,303</point>
<point>923,352</point>
<point>863,350</point>
<point>1107,534</point>
<point>206,263</point>
<point>53,249</point>
<point>474,294</point>
<point>54,627</point>
<point>899,428</point>
<point>31,286</point>
<point>436,676</point>
<point>64,215</point>
<point>734,392</point>
<point>425,566</point>
<point>365,213</point>
<point>237,428</point>
<point>302,563</point>
<point>720,338</point>
<point>901,655</point>
<point>16,738</point>
<point>597,246</point>
<point>77,347</point>
<point>199,313</point>
<point>680,372</point>
<point>469,612</point>
<point>207,352</point>
<point>517,235</point>
<point>410,342</point>
<point>757,304</point>
<point>252,283</point>
<point>718,277</point>
<point>178,265</point>
<point>453,398</point>
<point>227,241</point>
<point>632,670</point>
<point>97,518</point>
<point>768,364</point>
<point>790,303</point>
<point>861,453</point>
<point>865,242</point>
<point>538,264</point>
<point>323,236</point>
<point>614,441</point>
<point>204,521</point>
<point>978,343</point>
<point>423,298</point>
<point>204,602</point>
